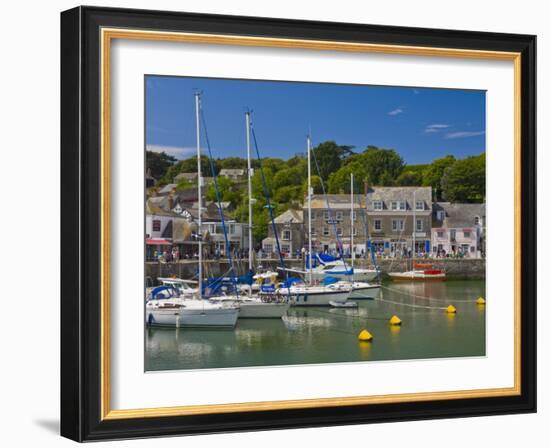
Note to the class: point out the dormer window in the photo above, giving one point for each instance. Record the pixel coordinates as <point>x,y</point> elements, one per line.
<point>377,205</point>
<point>398,205</point>
<point>419,205</point>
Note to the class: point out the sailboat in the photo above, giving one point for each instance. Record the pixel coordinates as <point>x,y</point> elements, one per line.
<point>361,288</point>
<point>328,265</point>
<point>166,307</point>
<point>252,306</point>
<point>303,294</point>
<point>420,272</point>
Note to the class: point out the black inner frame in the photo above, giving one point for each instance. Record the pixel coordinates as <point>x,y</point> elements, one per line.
<point>81,221</point>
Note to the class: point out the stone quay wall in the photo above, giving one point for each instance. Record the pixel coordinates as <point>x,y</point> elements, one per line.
<point>467,268</point>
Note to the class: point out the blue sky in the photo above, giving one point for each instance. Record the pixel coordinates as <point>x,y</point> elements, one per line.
<point>419,123</point>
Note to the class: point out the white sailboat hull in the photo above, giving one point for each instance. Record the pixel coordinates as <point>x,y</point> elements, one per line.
<point>263,310</point>
<point>192,318</point>
<point>360,275</point>
<point>305,297</point>
<point>254,307</point>
<point>365,291</point>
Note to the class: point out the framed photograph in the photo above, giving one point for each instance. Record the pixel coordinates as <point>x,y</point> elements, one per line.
<point>274,223</point>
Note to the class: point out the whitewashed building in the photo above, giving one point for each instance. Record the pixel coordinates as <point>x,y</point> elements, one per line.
<point>458,230</point>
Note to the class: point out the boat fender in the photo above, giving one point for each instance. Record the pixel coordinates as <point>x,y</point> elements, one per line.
<point>451,309</point>
<point>480,301</point>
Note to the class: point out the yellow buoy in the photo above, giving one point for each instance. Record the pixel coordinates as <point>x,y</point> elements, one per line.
<point>365,336</point>
<point>395,320</point>
<point>480,301</point>
<point>451,309</point>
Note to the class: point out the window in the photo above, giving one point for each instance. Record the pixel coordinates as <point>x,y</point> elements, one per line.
<point>286,235</point>
<point>397,225</point>
<point>476,221</point>
<point>472,249</point>
<point>420,205</point>
<point>325,231</point>
<point>377,205</point>
<point>440,215</point>
<point>313,231</point>
<point>339,231</point>
<point>285,248</point>
<point>378,224</point>
<point>326,215</point>
<point>440,234</point>
<point>339,216</point>
<point>312,215</point>
<point>232,229</point>
<point>466,234</point>
<point>156,225</point>
<point>268,248</point>
<point>355,231</point>
<point>398,205</point>
<point>353,215</point>
<point>419,225</point>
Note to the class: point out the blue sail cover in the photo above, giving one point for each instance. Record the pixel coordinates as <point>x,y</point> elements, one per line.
<point>327,258</point>
<point>156,293</point>
<point>290,281</point>
<point>328,280</point>
<point>313,259</point>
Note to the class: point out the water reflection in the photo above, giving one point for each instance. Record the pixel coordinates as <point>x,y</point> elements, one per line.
<point>321,335</point>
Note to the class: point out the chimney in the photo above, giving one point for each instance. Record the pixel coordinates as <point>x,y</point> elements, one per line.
<point>171,201</point>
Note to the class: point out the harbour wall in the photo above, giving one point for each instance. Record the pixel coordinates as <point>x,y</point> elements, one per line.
<point>468,268</point>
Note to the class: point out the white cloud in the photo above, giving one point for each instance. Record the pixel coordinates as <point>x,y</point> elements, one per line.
<point>463,134</point>
<point>397,111</point>
<point>179,152</point>
<point>436,127</point>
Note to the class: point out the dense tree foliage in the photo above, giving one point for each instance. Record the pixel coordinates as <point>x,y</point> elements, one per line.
<point>329,157</point>
<point>464,180</point>
<point>434,172</point>
<point>158,162</point>
<point>286,181</point>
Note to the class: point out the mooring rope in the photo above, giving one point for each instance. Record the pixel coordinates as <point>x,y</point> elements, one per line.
<point>418,296</point>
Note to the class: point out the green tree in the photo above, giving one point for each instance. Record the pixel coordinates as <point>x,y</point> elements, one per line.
<point>158,162</point>
<point>434,172</point>
<point>383,166</point>
<point>340,181</point>
<point>185,184</point>
<point>232,163</point>
<point>409,178</point>
<point>464,180</point>
<point>329,157</point>
<point>227,190</point>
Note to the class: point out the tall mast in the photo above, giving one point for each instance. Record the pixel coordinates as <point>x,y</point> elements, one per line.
<point>351,217</point>
<point>309,206</point>
<point>199,184</point>
<point>414,229</point>
<point>250,248</point>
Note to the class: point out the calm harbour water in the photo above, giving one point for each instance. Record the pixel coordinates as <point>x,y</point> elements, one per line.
<point>322,335</point>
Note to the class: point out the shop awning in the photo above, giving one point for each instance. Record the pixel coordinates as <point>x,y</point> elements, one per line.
<point>158,242</point>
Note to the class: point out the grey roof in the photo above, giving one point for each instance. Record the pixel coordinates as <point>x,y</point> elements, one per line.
<point>186,176</point>
<point>157,205</point>
<point>458,215</point>
<point>388,194</point>
<point>290,217</point>
<point>232,172</point>
<point>335,201</point>
<point>167,189</point>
